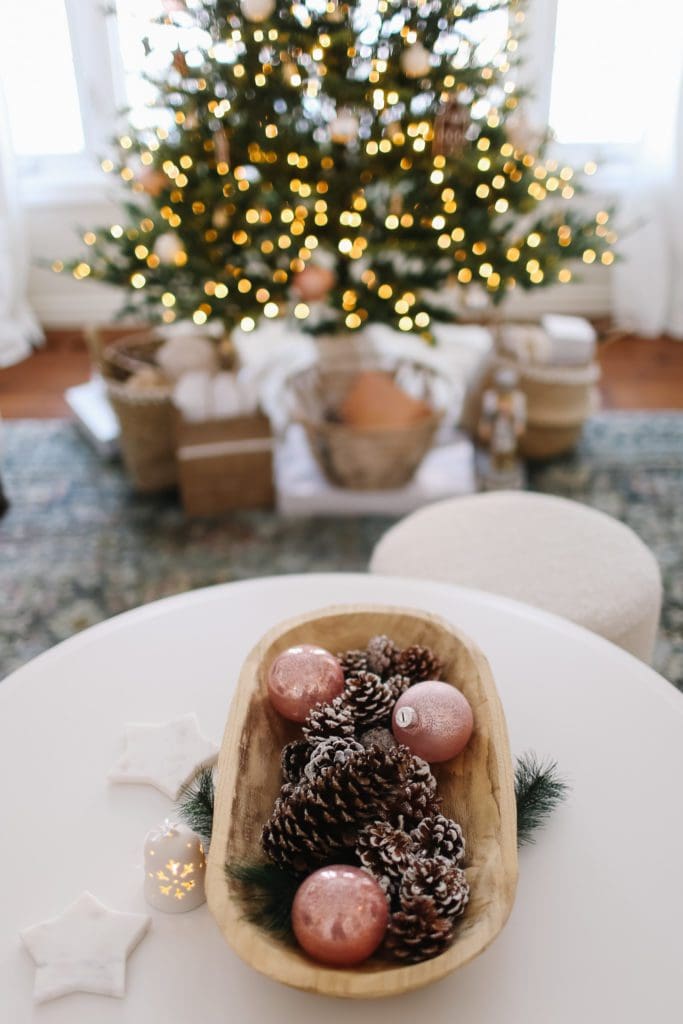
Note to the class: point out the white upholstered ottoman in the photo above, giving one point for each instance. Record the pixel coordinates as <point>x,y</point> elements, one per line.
<point>549,552</point>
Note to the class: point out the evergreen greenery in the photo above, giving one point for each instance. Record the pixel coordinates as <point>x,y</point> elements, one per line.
<point>267,893</point>
<point>247,167</point>
<point>197,803</point>
<point>538,790</point>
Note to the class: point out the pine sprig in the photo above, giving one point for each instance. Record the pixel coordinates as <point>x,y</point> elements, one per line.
<point>267,894</point>
<point>539,788</point>
<point>197,803</point>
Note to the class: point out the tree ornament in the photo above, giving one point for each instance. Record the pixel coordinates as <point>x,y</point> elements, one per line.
<point>382,654</point>
<point>294,759</point>
<point>174,869</point>
<point>168,247</point>
<point>386,852</point>
<point>339,915</point>
<point>179,62</point>
<point>434,720</point>
<point>291,74</point>
<point>221,146</point>
<point>325,720</point>
<point>450,128</point>
<point>344,127</point>
<point>419,663</point>
<point>257,10</point>
<point>220,218</point>
<point>439,879</point>
<point>416,61</point>
<point>438,836</point>
<point>368,699</point>
<point>302,677</point>
<point>416,932</point>
<point>83,949</point>
<point>331,752</point>
<point>353,662</point>
<point>314,282</point>
<point>152,180</point>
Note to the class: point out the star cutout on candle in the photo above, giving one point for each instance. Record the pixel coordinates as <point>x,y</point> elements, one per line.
<point>166,755</point>
<point>83,949</point>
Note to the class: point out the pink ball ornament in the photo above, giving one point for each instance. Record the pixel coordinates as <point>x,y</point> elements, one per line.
<point>313,282</point>
<point>302,677</point>
<point>340,915</point>
<point>434,720</point>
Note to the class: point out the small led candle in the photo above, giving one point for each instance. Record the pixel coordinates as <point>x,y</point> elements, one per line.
<point>174,868</point>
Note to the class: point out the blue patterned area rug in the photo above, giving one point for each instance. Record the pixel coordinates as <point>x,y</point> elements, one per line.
<point>76,546</point>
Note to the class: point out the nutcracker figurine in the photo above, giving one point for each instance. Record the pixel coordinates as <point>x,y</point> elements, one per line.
<point>501,424</point>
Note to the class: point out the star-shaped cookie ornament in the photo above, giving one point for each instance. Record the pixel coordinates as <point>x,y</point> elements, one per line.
<point>83,949</point>
<point>166,755</point>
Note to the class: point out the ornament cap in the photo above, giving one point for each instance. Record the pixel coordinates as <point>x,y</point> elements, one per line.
<point>407,717</point>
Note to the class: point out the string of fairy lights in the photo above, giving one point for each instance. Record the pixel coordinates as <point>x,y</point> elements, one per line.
<point>308,136</point>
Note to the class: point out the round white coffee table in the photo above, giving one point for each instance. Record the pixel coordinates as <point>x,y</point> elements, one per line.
<point>595,933</point>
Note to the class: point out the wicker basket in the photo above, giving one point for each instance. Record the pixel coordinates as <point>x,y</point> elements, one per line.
<point>559,400</point>
<point>378,458</point>
<point>146,418</point>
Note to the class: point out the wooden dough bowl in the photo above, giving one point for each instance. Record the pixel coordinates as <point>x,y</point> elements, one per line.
<point>477,789</point>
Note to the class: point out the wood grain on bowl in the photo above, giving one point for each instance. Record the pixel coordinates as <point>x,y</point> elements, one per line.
<point>477,789</point>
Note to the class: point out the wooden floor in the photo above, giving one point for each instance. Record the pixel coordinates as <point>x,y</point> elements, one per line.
<point>637,373</point>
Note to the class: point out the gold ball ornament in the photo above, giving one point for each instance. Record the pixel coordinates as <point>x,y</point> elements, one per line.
<point>313,282</point>
<point>257,10</point>
<point>344,127</point>
<point>416,61</point>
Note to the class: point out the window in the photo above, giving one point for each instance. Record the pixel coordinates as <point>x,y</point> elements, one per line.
<point>44,118</point>
<point>609,59</point>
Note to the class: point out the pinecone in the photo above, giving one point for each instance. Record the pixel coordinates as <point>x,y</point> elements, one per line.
<point>419,663</point>
<point>353,661</point>
<point>416,931</point>
<point>333,751</point>
<point>419,798</point>
<point>380,737</point>
<point>325,720</point>
<point>381,655</point>
<point>294,759</point>
<point>399,684</point>
<point>438,836</point>
<point>316,820</point>
<point>368,699</point>
<point>441,880</point>
<point>385,852</point>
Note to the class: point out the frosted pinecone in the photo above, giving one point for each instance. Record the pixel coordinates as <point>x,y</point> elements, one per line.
<point>385,852</point>
<point>333,751</point>
<point>294,759</point>
<point>353,661</point>
<point>417,932</point>
<point>368,699</point>
<point>399,684</point>
<point>438,836</point>
<point>419,663</point>
<point>441,880</point>
<point>381,655</point>
<point>325,720</point>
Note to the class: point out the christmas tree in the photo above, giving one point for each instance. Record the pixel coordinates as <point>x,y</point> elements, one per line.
<point>341,163</point>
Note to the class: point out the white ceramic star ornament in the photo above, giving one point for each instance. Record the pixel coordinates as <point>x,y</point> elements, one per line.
<point>83,949</point>
<point>166,755</point>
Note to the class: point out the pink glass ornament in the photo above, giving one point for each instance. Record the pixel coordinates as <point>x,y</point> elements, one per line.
<point>434,720</point>
<point>340,915</point>
<point>313,282</point>
<point>301,677</point>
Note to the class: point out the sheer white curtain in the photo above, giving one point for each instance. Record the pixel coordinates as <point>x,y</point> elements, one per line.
<point>648,282</point>
<point>19,330</point>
